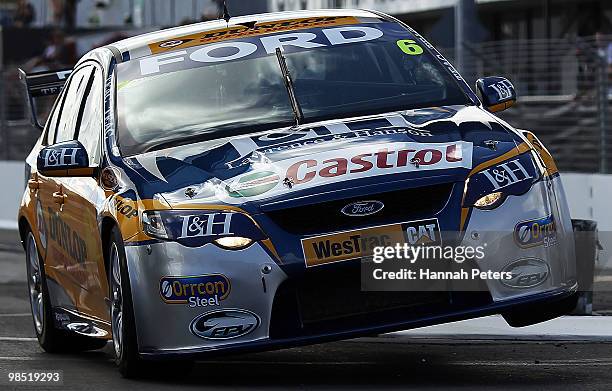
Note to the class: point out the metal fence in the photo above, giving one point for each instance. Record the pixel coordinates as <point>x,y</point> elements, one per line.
<point>564,94</point>
<point>563,87</point>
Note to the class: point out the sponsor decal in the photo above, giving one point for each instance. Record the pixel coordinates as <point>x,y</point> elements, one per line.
<point>60,157</point>
<point>285,142</point>
<point>41,225</point>
<point>224,324</point>
<point>526,273</point>
<point>125,209</point>
<point>68,239</point>
<point>503,89</point>
<point>362,208</point>
<point>195,291</point>
<point>244,31</point>
<point>332,166</point>
<point>174,43</point>
<point>61,319</point>
<point>109,177</point>
<point>199,228</point>
<point>253,184</point>
<point>536,232</point>
<point>423,232</point>
<point>251,47</point>
<point>386,160</point>
<point>349,245</point>
<point>208,224</point>
<point>506,174</point>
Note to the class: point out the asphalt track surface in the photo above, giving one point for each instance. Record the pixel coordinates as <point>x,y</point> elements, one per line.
<point>372,363</point>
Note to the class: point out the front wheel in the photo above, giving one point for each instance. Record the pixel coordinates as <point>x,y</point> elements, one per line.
<point>529,314</point>
<point>121,311</point>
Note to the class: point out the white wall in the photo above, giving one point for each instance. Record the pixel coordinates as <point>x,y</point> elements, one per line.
<point>587,195</point>
<point>590,197</point>
<point>12,176</point>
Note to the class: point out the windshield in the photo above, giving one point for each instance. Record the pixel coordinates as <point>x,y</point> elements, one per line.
<point>232,87</point>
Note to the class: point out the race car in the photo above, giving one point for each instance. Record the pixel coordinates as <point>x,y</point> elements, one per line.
<point>222,186</point>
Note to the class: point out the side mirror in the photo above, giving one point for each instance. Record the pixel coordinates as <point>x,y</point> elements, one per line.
<point>64,159</point>
<point>496,93</point>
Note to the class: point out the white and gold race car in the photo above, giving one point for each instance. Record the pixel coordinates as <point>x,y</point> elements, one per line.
<point>222,186</point>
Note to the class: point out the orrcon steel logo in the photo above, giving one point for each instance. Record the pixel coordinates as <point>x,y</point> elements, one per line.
<point>224,324</point>
<point>253,184</point>
<point>362,208</point>
<point>536,232</point>
<point>195,291</point>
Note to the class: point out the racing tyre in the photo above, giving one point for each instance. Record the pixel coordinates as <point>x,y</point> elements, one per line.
<point>122,313</point>
<point>50,338</point>
<point>537,313</point>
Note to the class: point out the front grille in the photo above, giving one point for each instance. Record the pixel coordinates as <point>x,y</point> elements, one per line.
<point>402,205</point>
<point>327,299</point>
<point>345,298</point>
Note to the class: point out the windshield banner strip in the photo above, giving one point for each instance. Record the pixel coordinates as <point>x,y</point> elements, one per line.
<point>240,31</point>
<point>249,48</point>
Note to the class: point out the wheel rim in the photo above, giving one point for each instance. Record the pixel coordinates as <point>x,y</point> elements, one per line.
<point>117,300</point>
<point>35,284</point>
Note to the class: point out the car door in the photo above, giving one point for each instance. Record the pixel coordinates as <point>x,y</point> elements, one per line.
<point>82,197</point>
<point>73,246</point>
<point>53,232</point>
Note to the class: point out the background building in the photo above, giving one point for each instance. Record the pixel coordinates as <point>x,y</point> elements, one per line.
<point>142,13</point>
<point>501,19</point>
<point>558,54</point>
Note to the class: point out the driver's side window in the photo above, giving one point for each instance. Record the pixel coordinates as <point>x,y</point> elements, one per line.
<point>62,124</point>
<point>89,120</point>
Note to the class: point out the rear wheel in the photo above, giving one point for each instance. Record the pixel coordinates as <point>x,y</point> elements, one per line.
<point>50,338</point>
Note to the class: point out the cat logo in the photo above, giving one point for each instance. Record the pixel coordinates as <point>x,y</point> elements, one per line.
<point>422,232</point>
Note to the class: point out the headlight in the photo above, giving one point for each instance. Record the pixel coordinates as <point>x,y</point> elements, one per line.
<point>489,201</point>
<point>489,187</point>
<point>195,228</point>
<point>153,225</point>
<point>233,242</point>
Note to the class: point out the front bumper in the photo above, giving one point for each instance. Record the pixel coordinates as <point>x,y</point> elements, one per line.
<point>259,285</point>
<point>283,343</point>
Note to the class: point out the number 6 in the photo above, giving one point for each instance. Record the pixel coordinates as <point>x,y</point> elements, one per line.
<point>410,47</point>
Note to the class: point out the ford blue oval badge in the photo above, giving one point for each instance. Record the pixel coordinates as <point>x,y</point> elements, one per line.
<point>363,208</point>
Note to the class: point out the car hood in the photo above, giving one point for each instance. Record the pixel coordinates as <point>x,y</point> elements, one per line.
<point>398,150</point>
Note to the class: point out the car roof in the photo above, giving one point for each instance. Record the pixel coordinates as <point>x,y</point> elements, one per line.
<point>140,46</point>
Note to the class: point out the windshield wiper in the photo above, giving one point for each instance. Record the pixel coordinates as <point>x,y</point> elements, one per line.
<point>297,110</point>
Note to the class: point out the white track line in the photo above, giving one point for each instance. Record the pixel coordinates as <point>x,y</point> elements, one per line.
<point>15,315</point>
<point>18,339</point>
<point>18,358</point>
<point>557,363</point>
